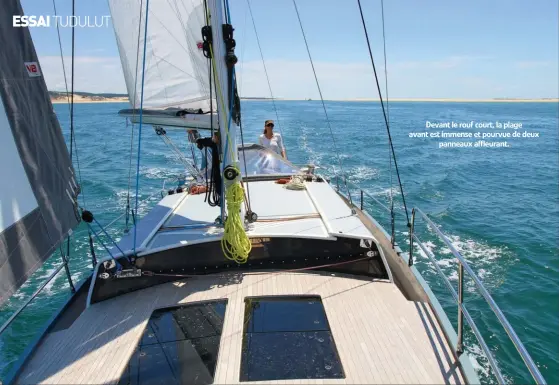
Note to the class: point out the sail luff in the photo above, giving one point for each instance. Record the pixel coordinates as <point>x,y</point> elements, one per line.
<point>38,204</point>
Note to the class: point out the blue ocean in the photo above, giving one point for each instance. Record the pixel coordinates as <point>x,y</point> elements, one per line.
<point>498,205</point>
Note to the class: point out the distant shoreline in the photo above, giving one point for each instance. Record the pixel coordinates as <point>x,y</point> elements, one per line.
<point>123,99</point>
<point>433,100</point>
<point>89,99</point>
<point>543,100</point>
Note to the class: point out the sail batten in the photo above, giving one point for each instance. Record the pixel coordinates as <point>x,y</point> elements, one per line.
<point>176,71</point>
<point>38,191</point>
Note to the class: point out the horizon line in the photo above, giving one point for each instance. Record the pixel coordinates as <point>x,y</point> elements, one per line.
<point>355,99</point>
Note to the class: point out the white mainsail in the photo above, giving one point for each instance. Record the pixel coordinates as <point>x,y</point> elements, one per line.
<point>176,71</point>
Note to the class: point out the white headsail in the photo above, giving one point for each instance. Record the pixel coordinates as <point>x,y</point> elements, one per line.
<point>176,71</point>
<point>37,187</point>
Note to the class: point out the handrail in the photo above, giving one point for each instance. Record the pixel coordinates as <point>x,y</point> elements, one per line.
<point>469,319</point>
<point>354,185</point>
<point>16,313</point>
<point>362,194</point>
<point>462,311</point>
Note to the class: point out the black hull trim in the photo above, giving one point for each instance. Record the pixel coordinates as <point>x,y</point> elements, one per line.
<point>267,254</point>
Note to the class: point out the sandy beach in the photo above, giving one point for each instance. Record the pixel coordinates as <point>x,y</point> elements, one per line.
<point>100,99</point>
<point>90,99</point>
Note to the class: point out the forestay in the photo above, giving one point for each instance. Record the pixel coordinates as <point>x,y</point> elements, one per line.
<point>37,187</point>
<point>176,71</point>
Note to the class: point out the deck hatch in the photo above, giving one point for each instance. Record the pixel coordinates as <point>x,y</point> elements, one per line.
<point>179,346</point>
<point>287,338</point>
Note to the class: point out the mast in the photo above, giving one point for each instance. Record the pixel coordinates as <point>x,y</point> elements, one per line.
<point>224,85</point>
<point>235,244</point>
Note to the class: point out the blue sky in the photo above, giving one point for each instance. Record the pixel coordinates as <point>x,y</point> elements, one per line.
<point>435,49</point>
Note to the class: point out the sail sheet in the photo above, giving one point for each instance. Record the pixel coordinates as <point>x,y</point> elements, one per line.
<point>38,191</point>
<point>176,71</point>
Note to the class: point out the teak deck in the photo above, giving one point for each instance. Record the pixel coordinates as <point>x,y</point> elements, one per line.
<point>380,336</point>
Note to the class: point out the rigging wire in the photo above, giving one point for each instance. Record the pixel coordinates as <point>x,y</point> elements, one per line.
<point>235,244</point>
<point>108,236</point>
<point>63,66</point>
<point>247,202</point>
<point>244,160</point>
<point>62,56</point>
<point>383,109</point>
<point>323,105</point>
<point>102,243</point>
<point>141,120</point>
<point>232,96</point>
<point>115,220</point>
<point>391,194</point>
<point>194,162</point>
<point>226,9</point>
<point>211,197</point>
<point>73,142</point>
<point>72,84</point>
<point>264,65</point>
<point>241,121</point>
<point>227,122</point>
<point>132,122</point>
<point>242,61</point>
<point>66,257</point>
<point>232,87</point>
<point>213,180</point>
<point>386,91</point>
<point>192,170</point>
<point>233,83</point>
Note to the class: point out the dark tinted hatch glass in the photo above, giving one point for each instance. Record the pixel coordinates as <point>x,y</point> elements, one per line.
<point>287,338</point>
<point>179,346</point>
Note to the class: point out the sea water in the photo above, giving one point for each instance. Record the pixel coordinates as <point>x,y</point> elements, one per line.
<point>498,205</point>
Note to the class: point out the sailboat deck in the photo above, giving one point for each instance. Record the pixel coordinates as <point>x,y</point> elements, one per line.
<point>181,219</point>
<point>380,336</point>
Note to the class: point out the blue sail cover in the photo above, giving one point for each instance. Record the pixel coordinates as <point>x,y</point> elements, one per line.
<point>38,204</point>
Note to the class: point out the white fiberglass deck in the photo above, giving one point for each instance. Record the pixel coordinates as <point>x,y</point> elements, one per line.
<point>315,212</point>
<point>380,336</point>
